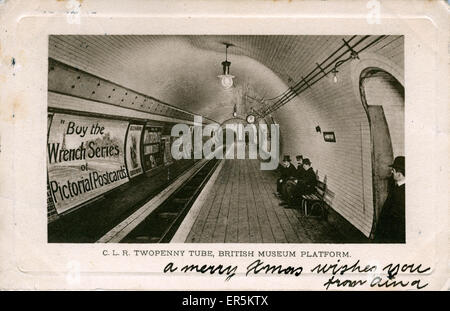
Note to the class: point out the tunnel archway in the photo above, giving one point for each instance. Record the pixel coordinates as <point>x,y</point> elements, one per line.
<point>382,97</point>
<point>147,89</point>
<point>229,130</point>
<point>234,120</point>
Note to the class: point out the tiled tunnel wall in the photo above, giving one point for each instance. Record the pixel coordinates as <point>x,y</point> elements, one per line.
<point>347,163</point>
<point>333,106</point>
<point>382,90</point>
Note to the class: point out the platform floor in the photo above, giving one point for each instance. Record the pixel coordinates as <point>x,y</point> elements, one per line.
<point>241,208</point>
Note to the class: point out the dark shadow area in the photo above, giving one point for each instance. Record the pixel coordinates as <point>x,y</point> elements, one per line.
<point>91,222</point>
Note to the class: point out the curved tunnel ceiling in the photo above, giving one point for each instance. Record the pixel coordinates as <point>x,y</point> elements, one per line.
<point>182,70</point>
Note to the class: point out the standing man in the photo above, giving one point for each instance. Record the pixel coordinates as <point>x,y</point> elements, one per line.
<point>287,170</point>
<point>391,223</point>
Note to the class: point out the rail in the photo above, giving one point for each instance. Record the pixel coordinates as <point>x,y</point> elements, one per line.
<point>163,222</point>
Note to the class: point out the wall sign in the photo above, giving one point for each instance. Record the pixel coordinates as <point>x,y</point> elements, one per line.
<point>133,150</point>
<point>85,158</point>
<point>153,156</point>
<point>329,137</point>
<point>167,142</point>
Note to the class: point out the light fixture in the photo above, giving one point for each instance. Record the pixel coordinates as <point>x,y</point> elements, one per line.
<point>250,119</point>
<point>235,111</point>
<point>334,72</point>
<point>353,55</point>
<point>226,79</point>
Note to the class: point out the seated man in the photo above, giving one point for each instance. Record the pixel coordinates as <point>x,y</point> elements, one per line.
<point>298,187</point>
<point>287,170</point>
<point>391,223</point>
<point>300,170</point>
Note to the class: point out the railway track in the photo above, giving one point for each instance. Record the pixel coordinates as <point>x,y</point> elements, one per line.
<point>161,224</point>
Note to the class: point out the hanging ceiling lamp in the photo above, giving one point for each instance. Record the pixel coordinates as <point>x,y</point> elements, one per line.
<point>353,55</point>
<point>226,79</point>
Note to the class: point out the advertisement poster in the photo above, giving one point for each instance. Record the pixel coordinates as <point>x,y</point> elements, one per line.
<point>167,155</point>
<point>85,158</point>
<point>223,233</point>
<point>152,151</point>
<point>133,150</point>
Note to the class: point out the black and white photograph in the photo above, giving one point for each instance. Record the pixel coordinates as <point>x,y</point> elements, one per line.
<point>327,112</point>
<point>225,146</point>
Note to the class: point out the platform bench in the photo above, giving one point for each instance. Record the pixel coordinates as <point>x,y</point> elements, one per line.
<point>315,202</point>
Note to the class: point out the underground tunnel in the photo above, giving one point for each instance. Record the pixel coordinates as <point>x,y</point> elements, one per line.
<point>198,138</point>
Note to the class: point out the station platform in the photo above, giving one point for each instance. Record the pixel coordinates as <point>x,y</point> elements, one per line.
<point>238,205</point>
<point>88,224</point>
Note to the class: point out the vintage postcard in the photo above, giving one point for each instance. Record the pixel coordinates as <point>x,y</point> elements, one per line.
<point>224,145</point>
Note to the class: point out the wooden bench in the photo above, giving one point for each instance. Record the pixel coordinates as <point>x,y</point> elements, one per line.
<point>315,201</point>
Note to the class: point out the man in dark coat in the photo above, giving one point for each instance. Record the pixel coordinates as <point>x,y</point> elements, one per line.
<point>298,187</point>
<point>300,170</point>
<point>287,170</point>
<point>308,184</point>
<point>391,223</point>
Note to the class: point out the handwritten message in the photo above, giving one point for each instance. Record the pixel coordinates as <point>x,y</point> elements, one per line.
<point>338,270</point>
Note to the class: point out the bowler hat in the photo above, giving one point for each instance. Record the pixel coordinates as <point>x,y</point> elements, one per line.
<point>306,161</point>
<point>286,158</point>
<point>399,163</point>
<point>299,157</point>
